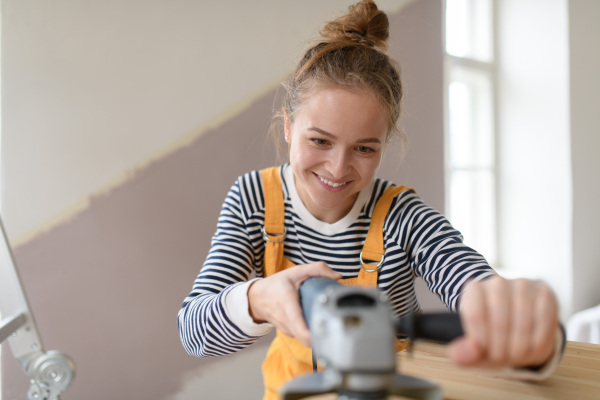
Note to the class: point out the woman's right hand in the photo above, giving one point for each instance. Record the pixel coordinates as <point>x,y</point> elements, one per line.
<point>276,300</point>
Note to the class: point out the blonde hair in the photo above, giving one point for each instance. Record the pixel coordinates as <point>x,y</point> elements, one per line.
<point>351,53</point>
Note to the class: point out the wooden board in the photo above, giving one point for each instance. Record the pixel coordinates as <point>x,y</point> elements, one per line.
<point>576,378</point>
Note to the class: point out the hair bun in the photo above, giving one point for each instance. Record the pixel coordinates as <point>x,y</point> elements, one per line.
<point>364,23</point>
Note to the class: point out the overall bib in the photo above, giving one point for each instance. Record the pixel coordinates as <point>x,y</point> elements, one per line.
<point>287,357</point>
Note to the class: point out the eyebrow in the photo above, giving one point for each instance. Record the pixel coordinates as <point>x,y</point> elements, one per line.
<point>332,136</point>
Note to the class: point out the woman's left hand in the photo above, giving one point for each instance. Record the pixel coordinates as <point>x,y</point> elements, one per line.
<point>507,323</point>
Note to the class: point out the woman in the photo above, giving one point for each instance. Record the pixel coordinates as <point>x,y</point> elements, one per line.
<point>327,214</point>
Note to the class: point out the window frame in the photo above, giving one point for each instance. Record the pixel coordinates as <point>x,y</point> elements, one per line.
<point>488,68</point>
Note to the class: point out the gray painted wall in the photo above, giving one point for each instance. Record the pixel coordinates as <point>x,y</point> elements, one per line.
<point>584,64</point>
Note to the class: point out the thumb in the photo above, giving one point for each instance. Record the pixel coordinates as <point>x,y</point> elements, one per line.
<point>300,273</point>
<point>322,269</point>
<point>463,351</point>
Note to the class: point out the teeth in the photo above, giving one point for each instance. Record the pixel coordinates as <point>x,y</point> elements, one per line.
<point>332,184</point>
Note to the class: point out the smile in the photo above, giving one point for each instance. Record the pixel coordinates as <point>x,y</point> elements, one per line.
<point>332,184</point>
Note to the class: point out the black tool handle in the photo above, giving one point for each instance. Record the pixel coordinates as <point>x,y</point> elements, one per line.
<point>437,327</point>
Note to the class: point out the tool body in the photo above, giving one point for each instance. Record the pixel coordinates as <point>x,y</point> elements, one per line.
<point>352,333</point>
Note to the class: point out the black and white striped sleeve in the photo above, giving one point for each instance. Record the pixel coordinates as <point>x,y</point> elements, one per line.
<point>207,326</point>
<point>437,251</point>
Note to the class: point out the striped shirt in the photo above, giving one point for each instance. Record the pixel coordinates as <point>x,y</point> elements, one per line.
<point>419,242</point>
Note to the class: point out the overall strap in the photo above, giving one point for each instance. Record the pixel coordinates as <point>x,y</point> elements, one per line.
<point>374,249</point>
<point>274,208</point>
<point>274,228</point>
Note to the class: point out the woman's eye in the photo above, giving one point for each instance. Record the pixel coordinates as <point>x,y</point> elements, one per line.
<point>365,149</point>
<point>320,142</point>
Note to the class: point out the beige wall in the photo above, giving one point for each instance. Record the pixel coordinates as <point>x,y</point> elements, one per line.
<point>108,94</point>
<point>95,90</point>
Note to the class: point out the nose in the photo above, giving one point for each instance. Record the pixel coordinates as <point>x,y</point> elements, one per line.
<point>339,163</point>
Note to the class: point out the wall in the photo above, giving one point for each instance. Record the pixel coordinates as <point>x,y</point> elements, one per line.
<point>550,174</point>
<point>534,143</point>
<point>584,32</point>
<point>121,128</point>
<point>95,90</point>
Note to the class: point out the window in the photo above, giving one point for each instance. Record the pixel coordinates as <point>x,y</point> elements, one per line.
<point>470,139</point>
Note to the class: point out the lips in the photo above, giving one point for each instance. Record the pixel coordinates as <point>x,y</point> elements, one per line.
<point>331,184</point>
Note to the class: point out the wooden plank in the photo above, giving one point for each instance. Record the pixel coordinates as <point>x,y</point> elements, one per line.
<point>576,378</point>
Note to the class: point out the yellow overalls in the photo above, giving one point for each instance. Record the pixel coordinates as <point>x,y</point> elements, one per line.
<point>287,357</point>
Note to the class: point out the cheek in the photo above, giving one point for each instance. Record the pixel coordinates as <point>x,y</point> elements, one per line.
<point>368,168</point>
<point>299,162</point>
<point>302,155</point>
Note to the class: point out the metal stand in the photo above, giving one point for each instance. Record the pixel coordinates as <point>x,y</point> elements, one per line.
<point>50,372</point>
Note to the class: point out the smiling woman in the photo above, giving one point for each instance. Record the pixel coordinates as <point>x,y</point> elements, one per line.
<point>319,214</point>
<point>139,148</point>
<point>336,143</point>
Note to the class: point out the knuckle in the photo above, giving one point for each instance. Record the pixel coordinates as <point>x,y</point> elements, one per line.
<point>497,283</point>
<point>474,316</point>
<point>523,325</point>
<point>546,294</point>
<point>500,323</point>
<point>521,286</point>
<point>498,280</point>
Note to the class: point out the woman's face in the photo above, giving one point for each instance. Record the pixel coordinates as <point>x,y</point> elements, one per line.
<point>336,143</point>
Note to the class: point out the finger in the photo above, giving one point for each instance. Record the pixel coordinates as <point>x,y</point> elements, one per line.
<point>522,321</point>
<point>303,272</point>
<point>322,269</point>
<point>546,322</point>
<point>473,316</point>
<point>464,351</point>
<point>499,306</point>
<point>295,321</point>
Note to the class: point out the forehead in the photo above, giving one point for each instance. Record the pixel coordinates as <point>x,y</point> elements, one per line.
<point>340,110</point>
